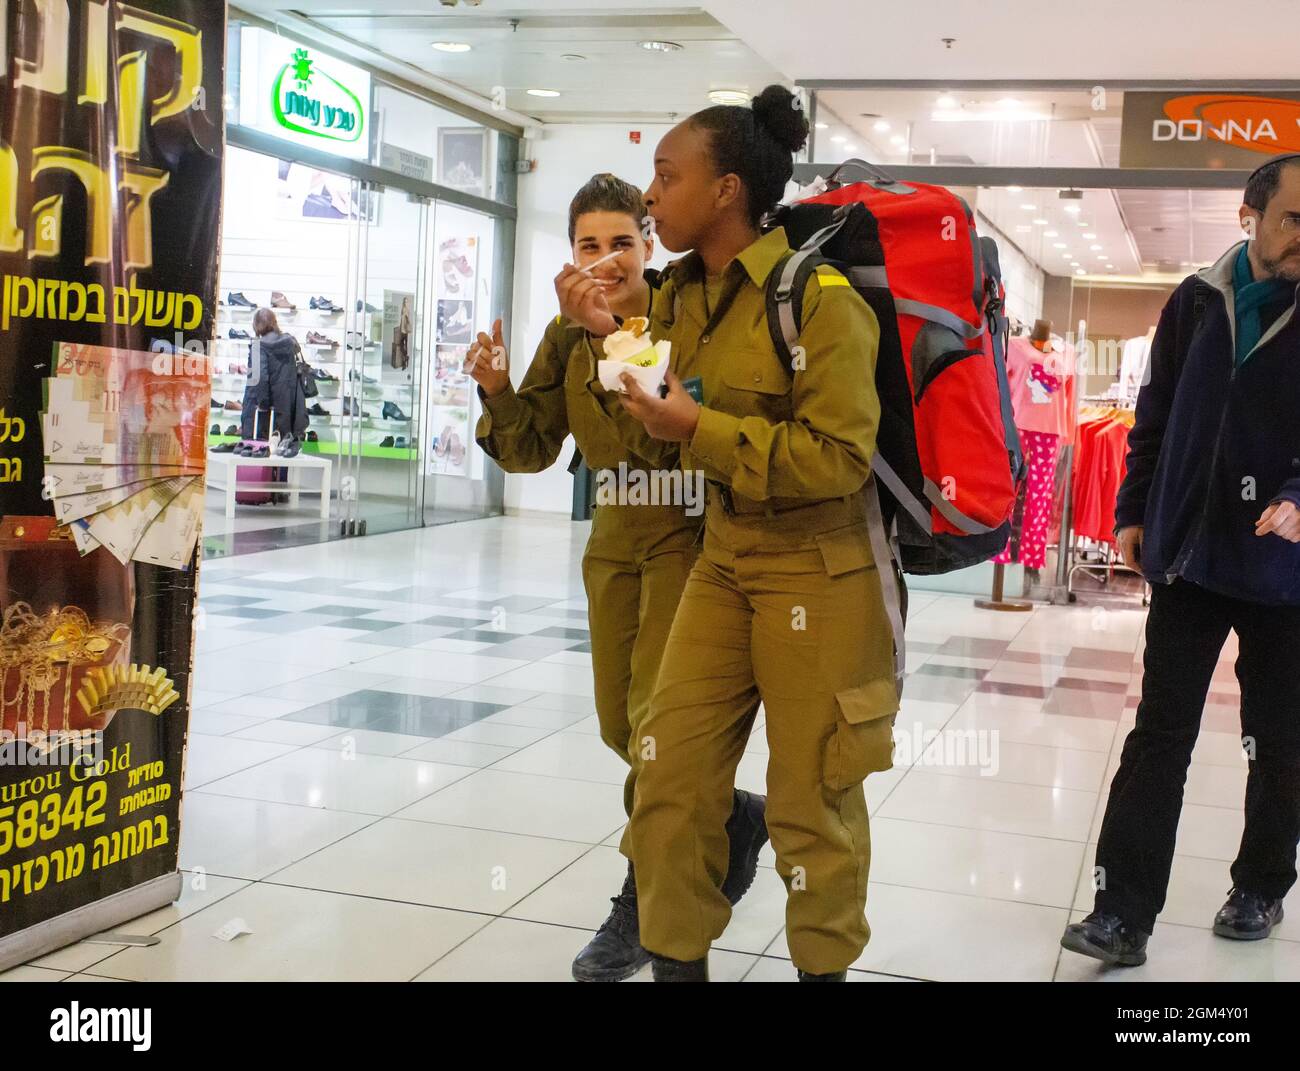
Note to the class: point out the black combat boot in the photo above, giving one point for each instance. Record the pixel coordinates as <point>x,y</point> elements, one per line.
<point>834,976</point>
<point>679,970</point>
<point>747,832</point>
<point>615,952</point>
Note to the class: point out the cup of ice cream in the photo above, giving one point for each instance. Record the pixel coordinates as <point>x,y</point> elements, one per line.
<point>630,350</point>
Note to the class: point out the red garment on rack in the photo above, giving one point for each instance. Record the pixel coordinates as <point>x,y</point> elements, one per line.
<point>1101,447</point>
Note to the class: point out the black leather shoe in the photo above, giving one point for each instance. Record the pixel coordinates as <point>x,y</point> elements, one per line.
<point>747,831</point>
<point>1107,938</point>
<point>615,952</point>
<point>316,409</point>
<point>678,970</point>
<point>1247,916</point>
<point>834,976</point>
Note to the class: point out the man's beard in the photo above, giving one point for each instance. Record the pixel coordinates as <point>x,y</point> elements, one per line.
<point>1288,268</point>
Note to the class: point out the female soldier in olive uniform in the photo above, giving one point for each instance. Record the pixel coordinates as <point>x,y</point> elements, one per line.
<point>784,604</point>
<point>638,556</point>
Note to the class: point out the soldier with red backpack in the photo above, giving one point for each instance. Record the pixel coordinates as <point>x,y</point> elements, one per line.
<point>795,600</point>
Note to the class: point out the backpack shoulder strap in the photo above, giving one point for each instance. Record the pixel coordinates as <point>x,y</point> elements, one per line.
<point>785,290</point>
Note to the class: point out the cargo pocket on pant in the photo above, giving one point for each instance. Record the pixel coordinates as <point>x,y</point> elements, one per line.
<point>863,739</point>
<point>845,550</point>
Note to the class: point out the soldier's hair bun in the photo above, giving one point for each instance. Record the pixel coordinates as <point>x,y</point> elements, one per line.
<point>778,113</point>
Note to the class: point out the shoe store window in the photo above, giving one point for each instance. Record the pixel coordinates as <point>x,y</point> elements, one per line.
<point>378,284</point>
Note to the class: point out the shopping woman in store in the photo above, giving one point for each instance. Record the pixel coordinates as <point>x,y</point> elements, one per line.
<point>638,556</point>
<point>274,400</point>
<point>784,604</point>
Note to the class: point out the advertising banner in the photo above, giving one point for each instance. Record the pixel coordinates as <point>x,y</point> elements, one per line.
<point>111,136</point>
<point>1208,130</point>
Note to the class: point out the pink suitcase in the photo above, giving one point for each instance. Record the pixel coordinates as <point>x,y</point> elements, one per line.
<point>255,473</point>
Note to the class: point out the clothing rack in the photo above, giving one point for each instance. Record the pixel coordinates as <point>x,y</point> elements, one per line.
<point>1090,556</point>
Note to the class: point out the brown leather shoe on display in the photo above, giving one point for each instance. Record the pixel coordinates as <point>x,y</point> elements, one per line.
<point>279,301</point>
<point>315,338</point>
<point>233,405</point>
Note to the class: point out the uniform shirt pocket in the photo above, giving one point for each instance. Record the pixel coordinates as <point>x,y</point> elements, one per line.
<point>862,741</point>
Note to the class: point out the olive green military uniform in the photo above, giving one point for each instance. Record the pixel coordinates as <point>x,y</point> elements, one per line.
<point>637,557</point>
<point>784,606</point>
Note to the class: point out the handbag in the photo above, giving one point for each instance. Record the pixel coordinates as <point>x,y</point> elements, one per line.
<point>306,379</point>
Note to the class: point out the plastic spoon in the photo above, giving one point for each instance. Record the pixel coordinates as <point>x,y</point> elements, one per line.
<point>598,263</point>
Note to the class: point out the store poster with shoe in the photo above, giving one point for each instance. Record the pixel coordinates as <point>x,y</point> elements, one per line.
<point>109,263</point>
<point>449,429</point>
<point>392,396</point>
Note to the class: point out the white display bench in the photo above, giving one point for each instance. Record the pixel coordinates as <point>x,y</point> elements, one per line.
<point>223,476</point>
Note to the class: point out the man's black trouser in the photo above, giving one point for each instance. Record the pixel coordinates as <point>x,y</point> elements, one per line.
<point>1186,630</point>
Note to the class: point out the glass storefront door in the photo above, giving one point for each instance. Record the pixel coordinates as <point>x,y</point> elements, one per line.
<point>384,372</point>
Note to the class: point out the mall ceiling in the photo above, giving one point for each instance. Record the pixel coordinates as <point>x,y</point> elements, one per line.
<point>587,51</point>
<point>590,53</point>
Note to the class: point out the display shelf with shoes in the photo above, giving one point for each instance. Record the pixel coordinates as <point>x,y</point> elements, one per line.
<point>372,450</point>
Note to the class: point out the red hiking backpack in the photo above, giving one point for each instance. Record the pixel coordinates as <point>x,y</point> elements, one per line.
<point>948,456</point>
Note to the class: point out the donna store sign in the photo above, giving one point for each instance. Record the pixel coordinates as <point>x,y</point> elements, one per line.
<point>1208,130</point>
<point>292,91</point>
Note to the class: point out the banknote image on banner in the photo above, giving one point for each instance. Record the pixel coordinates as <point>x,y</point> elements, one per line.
<point>111,141</point>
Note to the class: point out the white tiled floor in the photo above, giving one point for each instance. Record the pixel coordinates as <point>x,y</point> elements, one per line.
<point>488,852</point>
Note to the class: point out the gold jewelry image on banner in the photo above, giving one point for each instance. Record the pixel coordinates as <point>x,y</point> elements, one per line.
<point>40,657</point>
<point>127,687</point>
<point>62,616</point>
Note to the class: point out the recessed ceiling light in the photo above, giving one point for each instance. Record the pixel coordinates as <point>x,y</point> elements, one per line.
<point>1083,223</point>
<point>1101,256</point>
<point>1095,248</point>
<point>1050,234</point>
<point>1023,228</point>
<point>898,139</point>
<point>1014,189</point>
<point>1008,102</point>
<point>822,126</point>
<point>1072,209</point>
<point>660,46</point>
<point>946,102</point>
<point>880,126</point>
<point>452,46</point>
<point>1089,237</point>
<point>543,92</point>
<point>733,97</point>
<point>1040,223</point>
<point>839,139</point>
<point>850,148</point>
<point>1059,245</point>
<point>1080,271</point>
<point>1028,207</point>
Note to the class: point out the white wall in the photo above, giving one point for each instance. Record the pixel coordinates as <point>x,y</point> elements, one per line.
<point>566,157</point>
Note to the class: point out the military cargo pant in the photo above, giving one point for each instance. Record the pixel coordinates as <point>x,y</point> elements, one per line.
<point>634,569</point>
<point>786,610</point>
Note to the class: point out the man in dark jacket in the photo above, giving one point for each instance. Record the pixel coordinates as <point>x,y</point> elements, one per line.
<point>1210,514</point>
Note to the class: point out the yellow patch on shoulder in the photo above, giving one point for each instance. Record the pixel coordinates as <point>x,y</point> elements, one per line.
<point>828,275</point>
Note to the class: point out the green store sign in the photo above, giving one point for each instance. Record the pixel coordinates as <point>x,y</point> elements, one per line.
<point>307,99</point>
